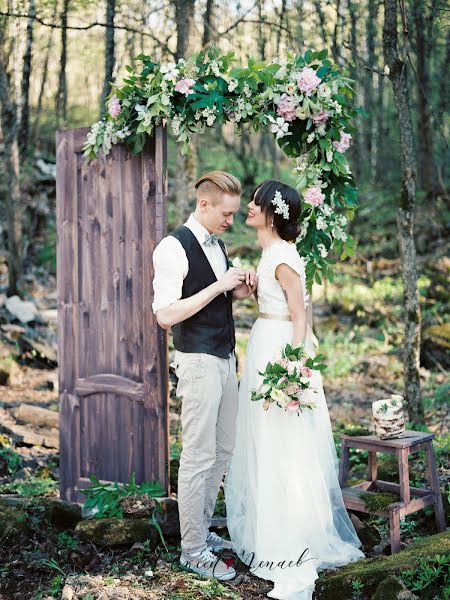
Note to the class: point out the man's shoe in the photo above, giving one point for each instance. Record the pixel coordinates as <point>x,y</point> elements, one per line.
<point>216,543</point>
<point>208,565</point>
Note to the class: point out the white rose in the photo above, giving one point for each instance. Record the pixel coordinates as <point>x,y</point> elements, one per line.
<point>236,262</point>
<point>294,364</point>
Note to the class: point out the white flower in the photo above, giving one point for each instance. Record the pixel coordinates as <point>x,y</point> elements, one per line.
<point>246,90</point>
<point>337,106</point>
<point>329,155</point>
<point>301,113</point>
<point>339,234</point>
<point>232,85</point>
<point>311,137</point>
<point>323,251</point>
<point>305,380</point>
<point>282,208</point>
<point>279,127</point>
<point>294,365</point>
<point>210,120</point>
<point>321,223</point>
<point>326,209</point>
<point>236,262</point>
<point>324,91</point>
<point>321,130</point>
<point>170,71</point>
<point>176,122</point>
<point>290,88</point>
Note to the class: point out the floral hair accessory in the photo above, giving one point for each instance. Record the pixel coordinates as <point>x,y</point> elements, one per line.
<point>281,207</point>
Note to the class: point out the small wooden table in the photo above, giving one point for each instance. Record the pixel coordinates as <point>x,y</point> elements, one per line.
<point>412,499</point>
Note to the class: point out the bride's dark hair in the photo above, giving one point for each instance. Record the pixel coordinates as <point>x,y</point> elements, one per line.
<point>263,194</point>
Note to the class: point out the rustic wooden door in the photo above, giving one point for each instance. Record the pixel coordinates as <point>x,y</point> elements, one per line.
<point>112,354</point>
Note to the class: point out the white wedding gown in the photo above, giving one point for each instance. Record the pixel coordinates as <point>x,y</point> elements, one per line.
<point>282,492</point>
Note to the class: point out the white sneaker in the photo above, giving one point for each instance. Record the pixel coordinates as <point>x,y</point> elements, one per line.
<point>216,543</point>
<point>208,565</point>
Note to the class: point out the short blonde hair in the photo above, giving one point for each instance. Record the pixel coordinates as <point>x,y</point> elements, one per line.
<point>216,183</point>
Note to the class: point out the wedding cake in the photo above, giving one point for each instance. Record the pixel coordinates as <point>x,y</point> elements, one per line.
<point>388,417</point>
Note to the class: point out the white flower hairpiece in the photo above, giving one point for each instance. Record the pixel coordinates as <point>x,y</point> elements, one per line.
<point>281,207</point>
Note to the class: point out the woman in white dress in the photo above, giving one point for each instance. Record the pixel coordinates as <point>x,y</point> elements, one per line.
<point>285,511</point>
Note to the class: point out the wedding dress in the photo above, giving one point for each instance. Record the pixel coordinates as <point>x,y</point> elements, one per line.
<point>285,511</point>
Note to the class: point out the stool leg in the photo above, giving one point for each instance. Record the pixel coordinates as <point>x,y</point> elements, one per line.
<point>403,467</point>
<point>373,467</point>
<point>394,526</point>
<point>344,463</point>
<point>434,484</point>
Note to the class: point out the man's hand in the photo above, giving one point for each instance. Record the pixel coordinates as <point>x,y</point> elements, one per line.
<point>232,279</point>
<point>248,286</point>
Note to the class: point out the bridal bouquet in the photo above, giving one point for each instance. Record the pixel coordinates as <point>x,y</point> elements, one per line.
<point>287,379</point>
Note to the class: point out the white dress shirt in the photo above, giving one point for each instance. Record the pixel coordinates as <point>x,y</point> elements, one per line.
<point>171,265</point>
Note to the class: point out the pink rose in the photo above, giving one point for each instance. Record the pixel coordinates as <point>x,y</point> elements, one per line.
<point>114,107</point>
<point>320,117</point>
<point>343,144</point>
<point>286,108</point>
<point>184,86</point>
<point>307,80</point>
<point>306,372</point>
<point>293,405</point>
<point>314,196</point>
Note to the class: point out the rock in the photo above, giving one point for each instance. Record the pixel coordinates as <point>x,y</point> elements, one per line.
<point>24,435</point>
<point>28,413</point>
<point>368,534</point>
<point>67,593</point>
<point>372,571</point>
<point>12,332</point>
<point>63,515</point>
<point>23,474</point>
<point>116,532</point>
<point>42,353</point>
<point>14,524</point>
<point>392,589</point>
<point>384,547</point>
<point>22,310</point>
<point>169,519</point>
<point>435,346</point>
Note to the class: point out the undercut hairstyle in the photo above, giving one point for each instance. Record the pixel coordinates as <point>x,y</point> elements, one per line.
<point>263,194</point>
<point>213,185</point>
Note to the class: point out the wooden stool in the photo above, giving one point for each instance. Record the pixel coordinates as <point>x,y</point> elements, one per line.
<point>411,498</point>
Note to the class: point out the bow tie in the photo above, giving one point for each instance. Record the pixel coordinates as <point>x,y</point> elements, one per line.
<point>211,238</point>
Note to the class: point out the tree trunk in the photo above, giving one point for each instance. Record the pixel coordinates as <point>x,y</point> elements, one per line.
<point>207,22</point>
<point>353,72</point>
<point>109,52</point>
<point>405,215</point>
<point>35,132</point>
<point>369,101</point>
<point>335,45</point>
<point>23,134</point>
<point>61,96</point>
<point>322,22</point>
<point>11,160</point>
<point>424,134</point>
<point>186,166</point>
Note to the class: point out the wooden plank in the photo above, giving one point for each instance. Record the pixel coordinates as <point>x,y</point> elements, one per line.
<point>110,383</point>
<point>67,294</point>
<point>434,484</point>
<point>372,466</point>
<point>408,438</point>
<point>394,488</point>
<point>344,464</point>
<point>394,528</point>
<point>403,468</point>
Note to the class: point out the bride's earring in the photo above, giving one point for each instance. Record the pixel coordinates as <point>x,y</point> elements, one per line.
<point>272,224</point>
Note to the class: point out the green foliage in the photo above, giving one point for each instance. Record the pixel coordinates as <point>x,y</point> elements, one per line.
<point>31,487</point>
<point>12,459</point>
<point>431,573</point>
<point>351,429</point>
<point>357,589</point>
<point>104,498</point>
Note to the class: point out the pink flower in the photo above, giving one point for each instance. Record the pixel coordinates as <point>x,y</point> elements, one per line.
<point>286,108</point>
<point>293,389</point>
<point>307,80</point>
<point>306,372</point>
<point>114,107</point>
<point>184,86</point>
<point>284,362</point>
<point>314,196</point>
<point>343,144</point>
<point>320,117</point>
<point>293,405</point>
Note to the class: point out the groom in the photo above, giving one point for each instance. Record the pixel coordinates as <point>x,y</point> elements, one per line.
<point>193,292</point>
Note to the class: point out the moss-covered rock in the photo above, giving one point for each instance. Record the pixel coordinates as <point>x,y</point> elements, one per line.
<point>392,589</point>
<point>116,531</point>
<point>14,524</point>
<point>372,571</point>
<point>63,515</point>
<point>377,501</point>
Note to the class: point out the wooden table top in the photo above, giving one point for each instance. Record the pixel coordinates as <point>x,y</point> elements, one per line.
<point>408,438</point>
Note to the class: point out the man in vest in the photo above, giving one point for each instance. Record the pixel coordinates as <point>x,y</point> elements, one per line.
<point>193,292</point>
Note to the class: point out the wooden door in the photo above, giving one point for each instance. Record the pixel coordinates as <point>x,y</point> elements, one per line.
<point>112,354</point>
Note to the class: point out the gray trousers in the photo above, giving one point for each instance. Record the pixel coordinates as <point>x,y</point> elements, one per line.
<point>208,389</point>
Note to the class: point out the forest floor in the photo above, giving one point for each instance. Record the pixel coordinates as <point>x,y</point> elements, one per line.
<point>358,320</point>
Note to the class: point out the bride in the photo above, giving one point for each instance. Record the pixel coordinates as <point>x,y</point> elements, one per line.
<point>285,511</point>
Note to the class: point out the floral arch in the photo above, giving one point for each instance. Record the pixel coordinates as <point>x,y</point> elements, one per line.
<point>305,102</point>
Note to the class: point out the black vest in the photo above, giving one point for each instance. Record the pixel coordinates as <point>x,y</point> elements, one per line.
<point>211,330</point>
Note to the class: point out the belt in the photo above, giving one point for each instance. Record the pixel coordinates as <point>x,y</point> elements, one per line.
<point>275,317</point>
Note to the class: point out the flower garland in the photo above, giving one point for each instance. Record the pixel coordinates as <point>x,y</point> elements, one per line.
<point>305,102</point>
